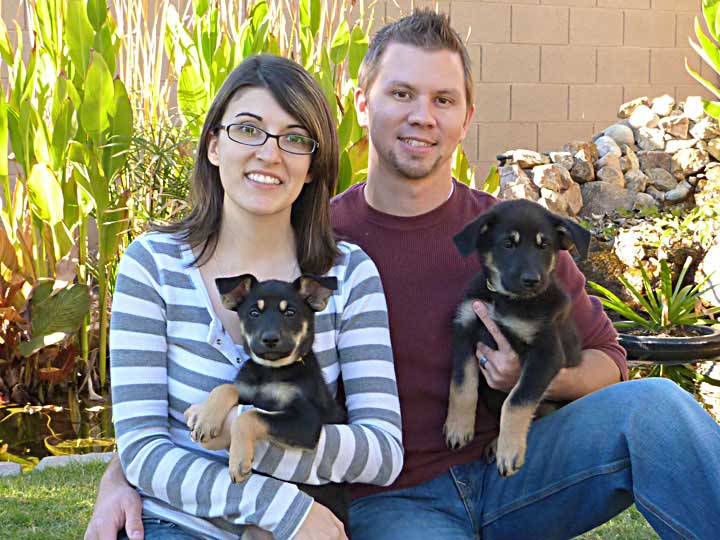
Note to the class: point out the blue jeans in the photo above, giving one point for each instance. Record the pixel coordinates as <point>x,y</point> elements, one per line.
<point>643,441</point>
<point>156,529</point>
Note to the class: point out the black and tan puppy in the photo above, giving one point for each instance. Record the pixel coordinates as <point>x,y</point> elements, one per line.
<point>518,243</point>
<point>283,379</point>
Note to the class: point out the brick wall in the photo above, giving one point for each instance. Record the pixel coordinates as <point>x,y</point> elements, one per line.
<point>548,71</point>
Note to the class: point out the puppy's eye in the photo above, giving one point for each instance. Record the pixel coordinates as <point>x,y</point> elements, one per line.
<point>508,243</point>
<point>544,244</point>
<point>289,312</point>
<point>254,313</point>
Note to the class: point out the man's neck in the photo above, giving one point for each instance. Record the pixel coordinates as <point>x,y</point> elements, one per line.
<point>406,197</point>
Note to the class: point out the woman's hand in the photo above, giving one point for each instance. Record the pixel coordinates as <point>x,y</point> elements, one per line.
<point>222,441</point>
<point>321,524</point>
<point>502,368</point>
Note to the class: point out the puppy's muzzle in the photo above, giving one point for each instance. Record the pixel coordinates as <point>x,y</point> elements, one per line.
<point>270,345</point>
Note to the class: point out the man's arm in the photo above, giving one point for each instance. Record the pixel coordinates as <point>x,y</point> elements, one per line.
<point>595,371</point>
<point>117,505</point>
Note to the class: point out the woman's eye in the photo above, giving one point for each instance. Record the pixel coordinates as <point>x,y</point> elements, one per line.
<point>247,129</point>
<point>254,313</point>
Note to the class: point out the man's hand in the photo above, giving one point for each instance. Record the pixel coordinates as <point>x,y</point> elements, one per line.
<point>222,441</point>
<point>321,524</point>
<point>502,369</point>
<point>117,505</point>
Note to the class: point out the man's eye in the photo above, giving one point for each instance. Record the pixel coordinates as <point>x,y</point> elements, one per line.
<point>401,94</point>
<point>444,101</point>
<point>254,313</point>
<point>289,312</point>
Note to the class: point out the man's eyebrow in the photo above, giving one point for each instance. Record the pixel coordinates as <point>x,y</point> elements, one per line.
<point>444,91</point>
<point>260,118</point>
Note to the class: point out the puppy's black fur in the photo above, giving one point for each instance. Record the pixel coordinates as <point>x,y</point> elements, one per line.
<point>518,243</point>
<point>283,380</point>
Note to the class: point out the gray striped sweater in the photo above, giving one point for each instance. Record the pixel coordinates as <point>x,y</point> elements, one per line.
<point>168,349</point>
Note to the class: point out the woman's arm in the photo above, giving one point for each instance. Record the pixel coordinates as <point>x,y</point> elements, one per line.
<point>188,481</point>
<point>369,448</point>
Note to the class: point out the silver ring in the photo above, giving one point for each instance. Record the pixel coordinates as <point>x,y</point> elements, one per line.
<point>483,361</point>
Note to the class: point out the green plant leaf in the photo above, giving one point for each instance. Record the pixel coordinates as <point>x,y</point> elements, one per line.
<point>340,43</point>
<point>79,35</point>
<point>192,98</point>
<point>6,51</point>
<point>45,193</point>
<point>345,131</point>
<point>707,50</point>
<point>358,47</point>
<point>97,13</point>
<point>707,84</point>
<point>63,130</point>
<point>709,9</point>
<point>491,184</point>
<point>98,100</point>
<point>345,173</point>
<point>201,7</point>
<point>120,132</point>
<point>310,15</point>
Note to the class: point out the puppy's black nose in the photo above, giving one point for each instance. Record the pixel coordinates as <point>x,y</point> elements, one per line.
<point>270,339</point>
<point>530,281</point>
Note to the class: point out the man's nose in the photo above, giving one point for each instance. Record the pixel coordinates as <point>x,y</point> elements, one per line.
<point>422,113</point>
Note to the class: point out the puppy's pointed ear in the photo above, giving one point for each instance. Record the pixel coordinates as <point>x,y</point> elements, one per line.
<point>234,290</point>
<point>315,290</point>
<point>469,238</point>
<point>571,233</point>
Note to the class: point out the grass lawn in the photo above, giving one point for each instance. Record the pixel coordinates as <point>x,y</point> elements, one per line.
<point>55,504</point>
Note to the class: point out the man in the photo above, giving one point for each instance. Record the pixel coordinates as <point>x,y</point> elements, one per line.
<point>645,442</point>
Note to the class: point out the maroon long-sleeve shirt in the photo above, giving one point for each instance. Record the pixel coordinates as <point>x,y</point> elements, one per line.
<point>425,278</point>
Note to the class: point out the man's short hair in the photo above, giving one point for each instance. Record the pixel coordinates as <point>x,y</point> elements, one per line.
<point>424,29</point>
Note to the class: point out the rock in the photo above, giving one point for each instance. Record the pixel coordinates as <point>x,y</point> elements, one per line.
<point>708,188</point>
<point>674,145</point>
<point>693,108</point>
<point>661,179</point>
<point>643,116</point>
<point>553,201</point>
<point>679,193</point>
<point>608,160</point>
<point>603,198</point>
<point>520,191</point>
<point>688,161</point>
<point>8,468</point>
<point>713,148</point>
<point>663,105</point>
<point>589,149</point>
<point>654,160</point>
<point>529,158</point>
<point>626,109</point>
<point>630,160</point>
<point>643,200</point>
<point>573,197</point>
<point>512,174</point>
<point>636,180</point>
<point>705,129</point>
<point>656,194</point>
<point>611,175</point>
<point>677,126</point>
<point>606,145</point>
<point>582,170</point>
<point>553,176</point>
<point>650,138</point>
<point>562,158</point>
<point>60,461</point>
<point>621,134</point>
<point>629,248</point>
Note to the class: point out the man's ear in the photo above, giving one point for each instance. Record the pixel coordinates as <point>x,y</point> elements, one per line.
<point>468,119</point>
<point>361,108</point>
<point>315,290</point>
<point>468,239</point>
<point>234,290</point>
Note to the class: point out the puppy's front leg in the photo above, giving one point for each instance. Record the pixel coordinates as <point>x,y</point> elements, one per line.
<point>247,429</point>
<point>459,428</point>
<point>539,369</point>
<point>207,423</point>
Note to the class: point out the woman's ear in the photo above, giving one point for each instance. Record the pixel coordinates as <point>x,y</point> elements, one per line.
<point>212,152</point>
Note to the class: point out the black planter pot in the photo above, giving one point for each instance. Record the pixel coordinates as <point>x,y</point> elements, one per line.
<point>673,350</point>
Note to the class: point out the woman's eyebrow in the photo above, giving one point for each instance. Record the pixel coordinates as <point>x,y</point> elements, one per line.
<point>260,118</point>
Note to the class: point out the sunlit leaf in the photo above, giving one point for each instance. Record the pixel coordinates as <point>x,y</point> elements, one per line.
<point>45,193</point>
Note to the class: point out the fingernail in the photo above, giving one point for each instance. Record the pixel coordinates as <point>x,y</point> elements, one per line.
<point>135,534</point>
<point>479,306</point>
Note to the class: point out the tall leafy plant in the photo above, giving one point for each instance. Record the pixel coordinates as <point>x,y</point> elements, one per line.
<point>707,48</point>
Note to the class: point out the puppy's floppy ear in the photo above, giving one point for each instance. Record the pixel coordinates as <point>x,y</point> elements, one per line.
<point>234,290</point>
<point>469,238</point>
<point>315,290</point>
<point>570,233</point>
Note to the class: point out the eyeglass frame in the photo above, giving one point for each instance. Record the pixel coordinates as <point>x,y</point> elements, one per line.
<point>268,135</point>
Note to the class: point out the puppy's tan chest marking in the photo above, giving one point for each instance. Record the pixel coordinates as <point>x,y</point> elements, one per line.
<point>282,394</point>
<point>524,329</point>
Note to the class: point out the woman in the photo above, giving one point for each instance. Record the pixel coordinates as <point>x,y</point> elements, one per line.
<point>265,170</point>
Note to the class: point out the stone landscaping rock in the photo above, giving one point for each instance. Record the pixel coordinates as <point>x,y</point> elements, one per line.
<point>630,160</point>
<point>629,248</point>
<point>713,148</point>
<point>606,145</point>
<point>608,160</point>
<point>602,198</point>
<point>706,129</point>
<point>626,109</point>
<point>655,160</point>
<point>611,175</point>
<point>574,199</point>
<point>61,461</point>
<point>553,176</point>
<point>621,134</point>
<point>661,179</point>
<point>679,193</point>
<point>655,193</point>
<point>636,180</point>
<point>529,158</point>
<point>553,201</point>
<point>673,145</point>
<point>582,170</point>
<point>520,191</point>
<point>589,149</point>
<point>562,158</point>
<point>709,267</point>
<point>9,469</point>
<point>643,116</point>
<point>688,161</point>
<point>693,108</point>
<point>663,105</point>
<point>650,138</point>
<point>512,174</point>
<point>677,126</point>
<point>643,200</point>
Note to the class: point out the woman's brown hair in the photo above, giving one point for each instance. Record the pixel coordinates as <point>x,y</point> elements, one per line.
<point>301,97</point>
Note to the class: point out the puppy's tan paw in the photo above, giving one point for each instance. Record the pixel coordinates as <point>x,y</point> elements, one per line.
<point>459,430</point>
<point>240,465</point>
<point>510,455</point>
<point>206,424</point>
